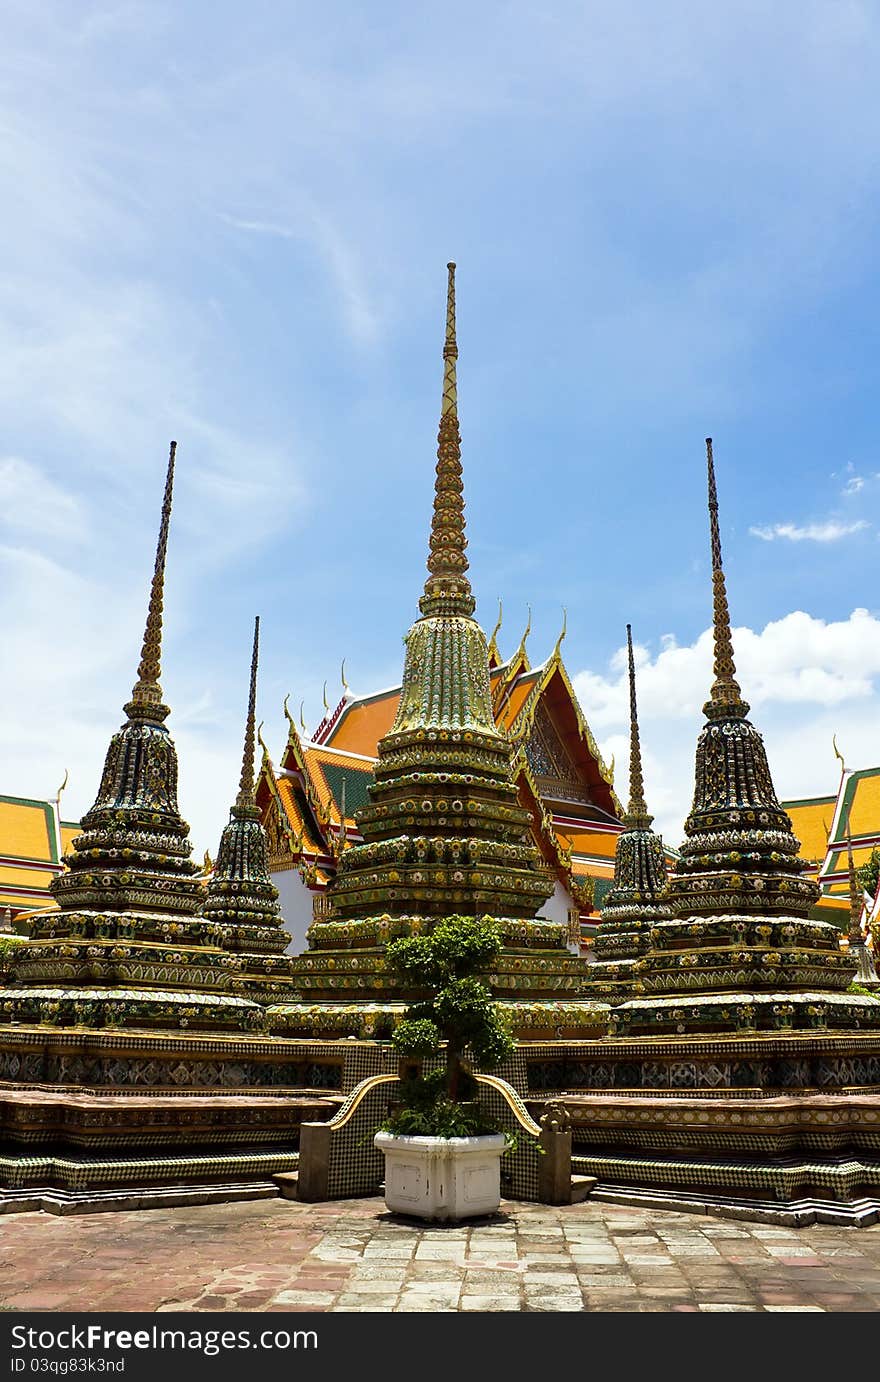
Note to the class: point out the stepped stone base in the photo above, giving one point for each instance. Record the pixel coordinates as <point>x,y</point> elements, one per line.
<point>785,1120</point>
<point>746,1065</point>
<point>796,1213</point>
<point>97,1119</point>
<point>85,1175</point>
<point>51,1200</point>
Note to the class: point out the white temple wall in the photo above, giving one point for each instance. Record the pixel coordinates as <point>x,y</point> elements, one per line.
<point>296,907</point>
<point>556,908</point>
<point>561,906</point>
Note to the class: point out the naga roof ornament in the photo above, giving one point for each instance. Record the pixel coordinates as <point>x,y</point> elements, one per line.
<point>493,640</point>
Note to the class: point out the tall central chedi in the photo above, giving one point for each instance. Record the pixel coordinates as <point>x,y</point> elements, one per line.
<point>444,832</point>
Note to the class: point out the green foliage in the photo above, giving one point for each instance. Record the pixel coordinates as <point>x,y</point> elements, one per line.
<point>860,988</point>
<point>419,1037</point>
<point>457,947</point>
<point>868,873</point>
<point>457,1013</point>
<point>8,947</point>
<point>425,1109</point>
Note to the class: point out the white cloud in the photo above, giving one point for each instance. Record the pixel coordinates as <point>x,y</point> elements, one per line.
<point>804,678</point>
<point>853,485</point>
<point>830,531</point>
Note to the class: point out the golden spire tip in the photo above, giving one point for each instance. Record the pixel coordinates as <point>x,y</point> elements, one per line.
<point>725,698</point>
<point>246,786</point>
<point>447,589</point>
<point>637,811</point>
<point>146,696</point>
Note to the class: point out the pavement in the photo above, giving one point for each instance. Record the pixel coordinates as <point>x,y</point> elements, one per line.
<point>351,1255</point>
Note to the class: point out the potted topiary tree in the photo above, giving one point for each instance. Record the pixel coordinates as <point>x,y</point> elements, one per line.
<point>442,1152</point>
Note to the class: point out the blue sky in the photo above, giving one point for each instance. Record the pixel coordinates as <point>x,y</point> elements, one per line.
<point>230,225</point>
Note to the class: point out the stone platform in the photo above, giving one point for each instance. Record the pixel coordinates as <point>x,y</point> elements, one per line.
<point>755,1123</point>
<point>277,1256</point>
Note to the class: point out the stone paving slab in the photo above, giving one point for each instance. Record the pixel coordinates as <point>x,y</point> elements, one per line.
<point>351,1255</point>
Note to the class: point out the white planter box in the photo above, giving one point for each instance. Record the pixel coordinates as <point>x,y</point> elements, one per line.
<point>442,1177</point>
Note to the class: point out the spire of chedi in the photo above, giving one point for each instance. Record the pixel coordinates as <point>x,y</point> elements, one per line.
<point>740,854</point>
<point>725,699</point>
<point>637,899</point>
<point>447,589</point>
<point>134,849</point>
<point>242,900</point>
<point>637,811</point>
<point>146,696</point>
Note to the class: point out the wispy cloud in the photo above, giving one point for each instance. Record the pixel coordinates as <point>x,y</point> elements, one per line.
<point>341,260</point>
<point>32,503</point>
<point>830,531</point>
<point>259,227</point>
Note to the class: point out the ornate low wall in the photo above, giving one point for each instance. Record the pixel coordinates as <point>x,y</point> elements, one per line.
<point>338,1159</point>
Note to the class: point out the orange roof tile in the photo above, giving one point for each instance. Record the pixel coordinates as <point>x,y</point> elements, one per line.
<point>363,723</point>
<point>593,868</point>
<point>14,877</point>
<point>298,819</point>
<point>517,698</point>
<point>328,768</point>
<point>601,843</point>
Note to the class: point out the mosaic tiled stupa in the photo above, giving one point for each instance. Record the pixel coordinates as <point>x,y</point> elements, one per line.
<point>444,832</point>
<point>241,905</point>
<point>739,1074</point>
<point>638,899</point>
<point>128,946</point>
<point>133,1068</point>
<point>740,949</point>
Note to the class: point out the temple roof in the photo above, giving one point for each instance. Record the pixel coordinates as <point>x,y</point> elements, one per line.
<point>811,821</point>
<point>822,824</point>
<point>576,831</point>
<point>33,841</point>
